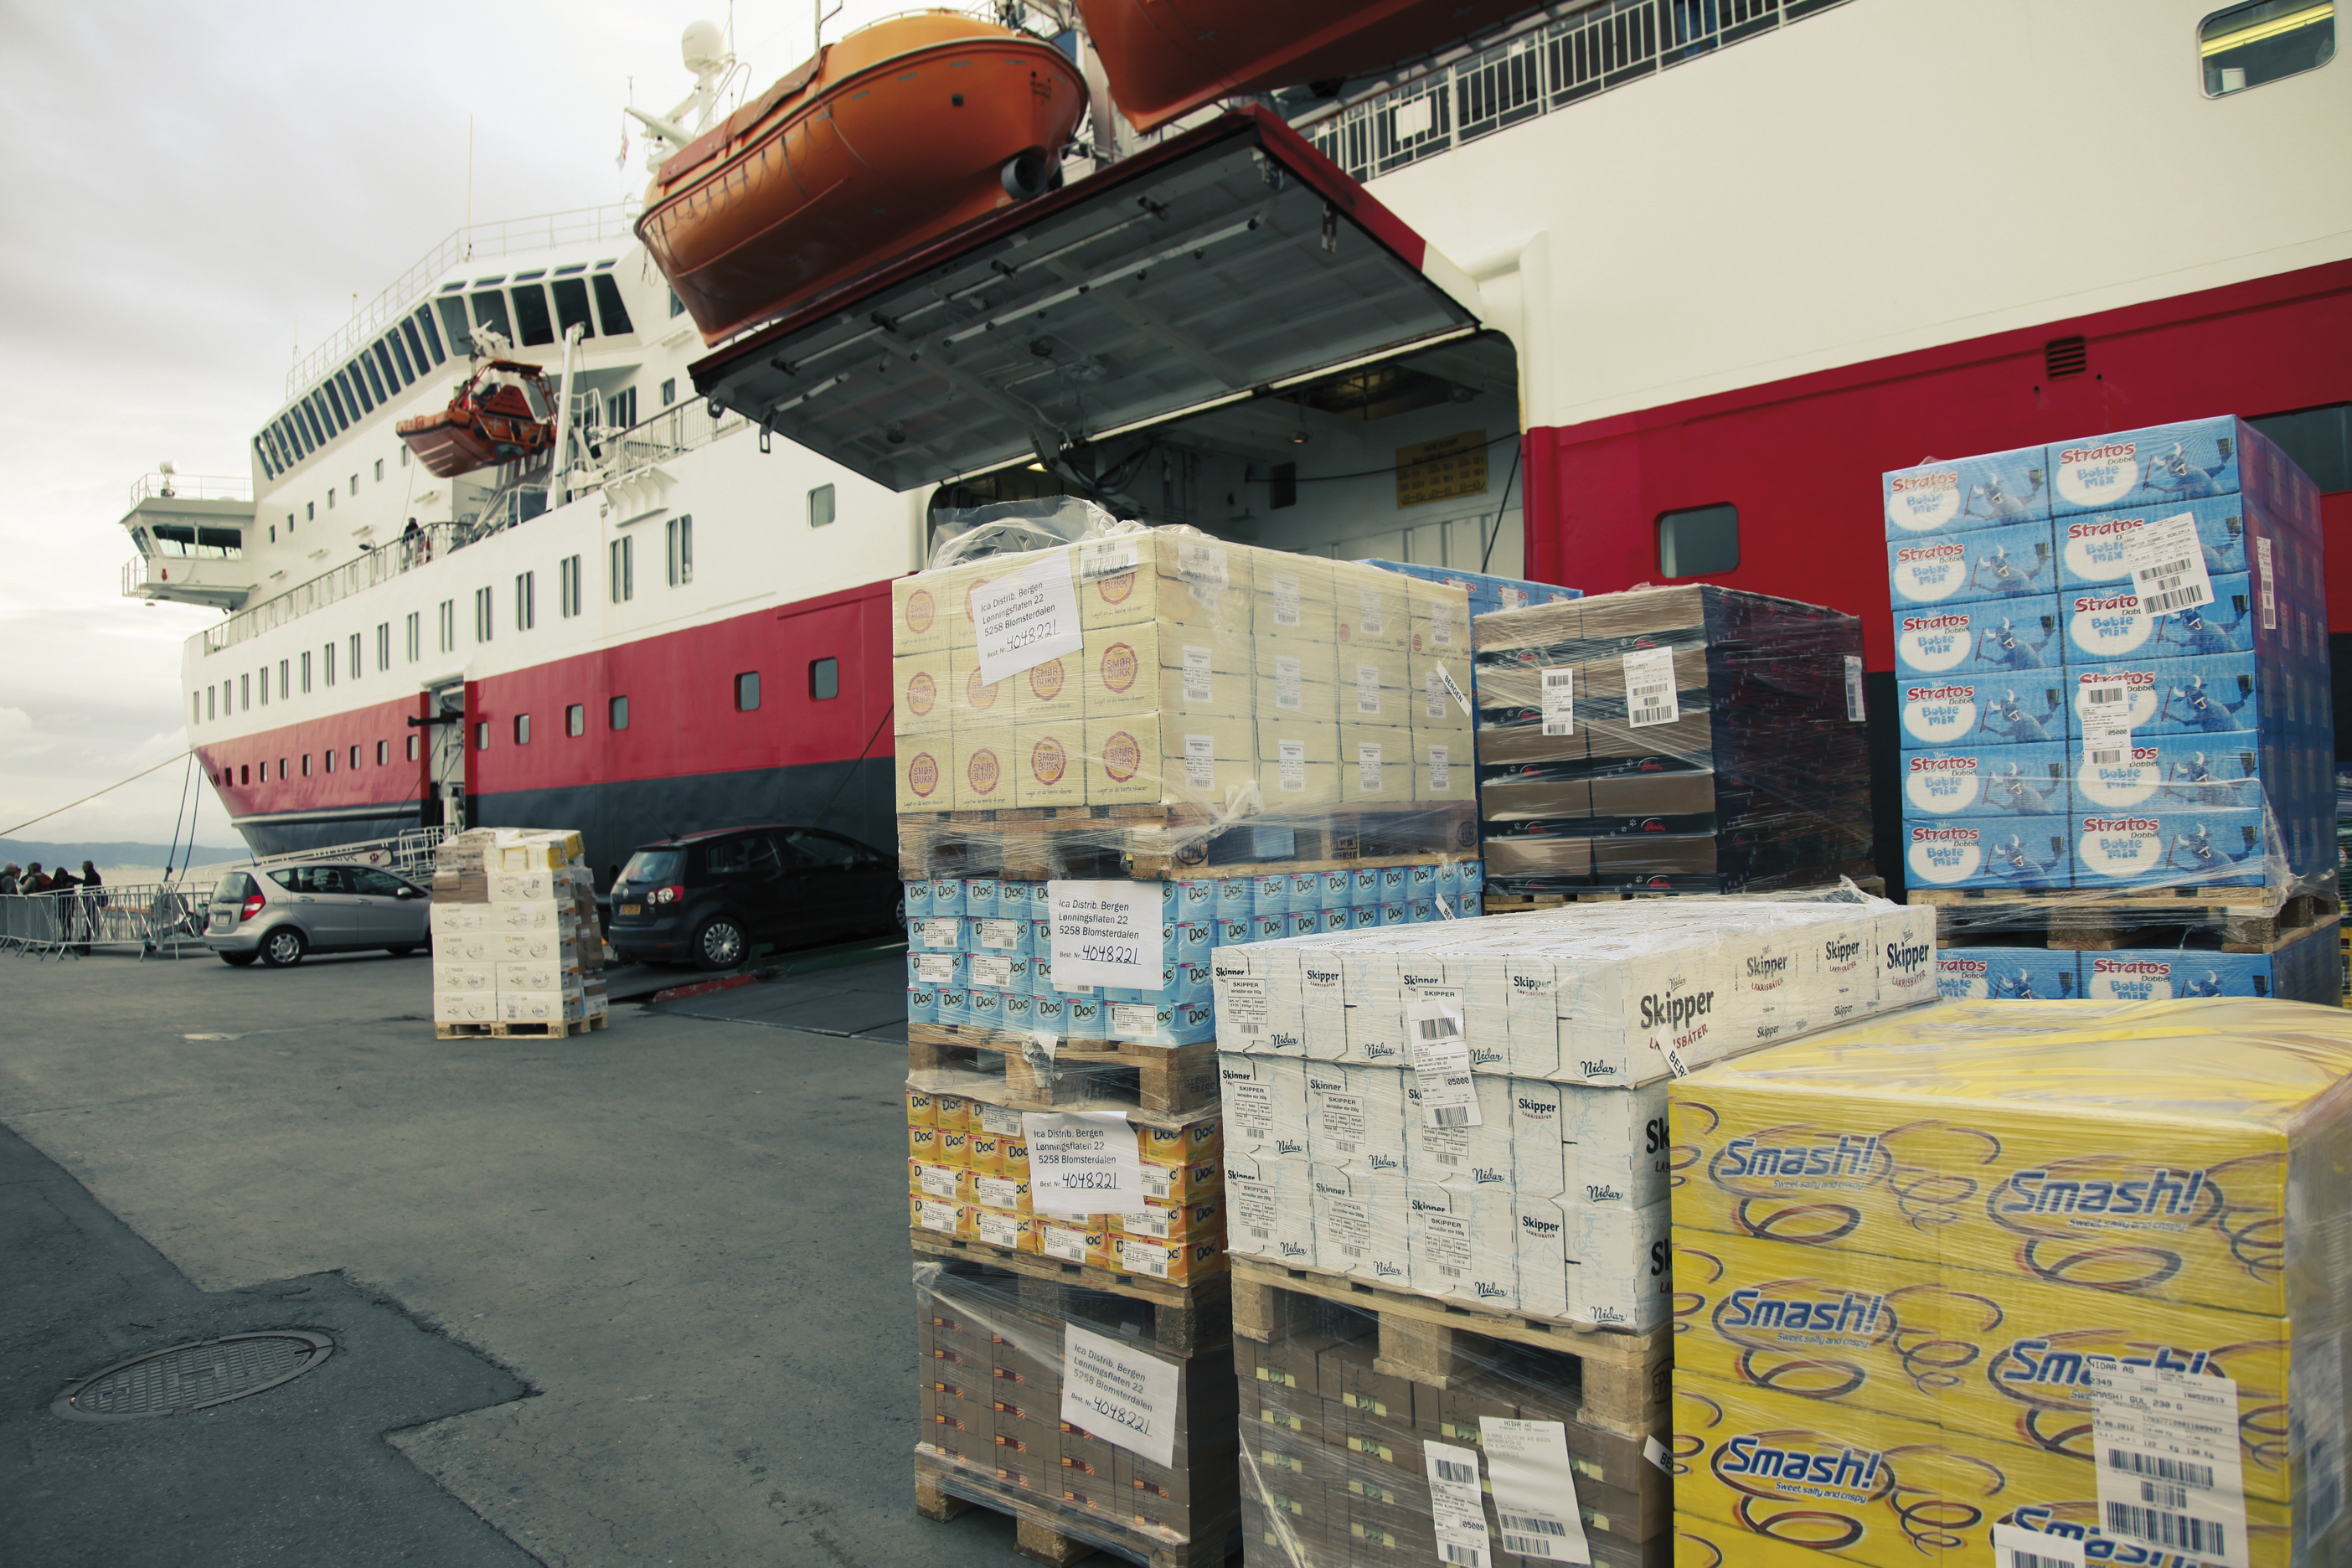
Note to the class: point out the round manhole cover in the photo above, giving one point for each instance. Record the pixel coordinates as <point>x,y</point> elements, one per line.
<point>191,1377</point>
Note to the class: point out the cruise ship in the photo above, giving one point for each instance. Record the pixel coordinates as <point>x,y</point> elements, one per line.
<point>1602,294</point>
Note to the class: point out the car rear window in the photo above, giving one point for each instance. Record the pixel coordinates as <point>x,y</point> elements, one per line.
<point>233,888</point>
<point>653,866</point>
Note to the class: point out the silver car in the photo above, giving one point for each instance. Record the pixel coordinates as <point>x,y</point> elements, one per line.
<point>279,914</point>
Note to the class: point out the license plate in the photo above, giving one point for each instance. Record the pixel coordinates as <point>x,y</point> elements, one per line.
<point>222,917</point>
<point>633,909</point>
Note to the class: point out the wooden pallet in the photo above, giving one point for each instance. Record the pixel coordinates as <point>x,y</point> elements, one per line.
<point>2249,920</point>
<point>1045,1532</point>
<point>1155,1080</point>
<point>1151,842</point>
<point>1625,1375</point>
<point>1187,1318</point>
<point>553,1029</point>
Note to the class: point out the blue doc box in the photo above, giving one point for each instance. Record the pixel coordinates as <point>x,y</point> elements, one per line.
<point>2091,547</point>
<point>1987,491</point>
<point>2032,852</point>
<point>1939,711</point>
<point>2219,848</point>
<point>2016,561</point>
<point>1975,639</point>
<point>1988,781</point>
<point>2007,974</point>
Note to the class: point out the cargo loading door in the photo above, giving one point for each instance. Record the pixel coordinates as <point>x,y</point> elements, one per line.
<point>1222,265</point>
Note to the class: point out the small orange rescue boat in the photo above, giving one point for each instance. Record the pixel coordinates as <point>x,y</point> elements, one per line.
<point>503,412</point>
<point>1167,58</point>
<point>896,134</point>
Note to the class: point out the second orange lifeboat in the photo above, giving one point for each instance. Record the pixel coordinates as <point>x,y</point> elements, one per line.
<point>896,134</point>
<point>1167,58</point>
<point>503,412</point>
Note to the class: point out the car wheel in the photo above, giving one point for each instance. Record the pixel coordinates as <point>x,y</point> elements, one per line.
<point>400,951</point>
<point>283,947</point>
<point>237,960</point>
<point>720,944</point>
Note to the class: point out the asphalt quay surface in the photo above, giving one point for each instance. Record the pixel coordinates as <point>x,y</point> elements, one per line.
<point>637,1297</point>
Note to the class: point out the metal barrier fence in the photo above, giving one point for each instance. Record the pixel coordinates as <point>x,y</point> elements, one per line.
<point>156,917</point>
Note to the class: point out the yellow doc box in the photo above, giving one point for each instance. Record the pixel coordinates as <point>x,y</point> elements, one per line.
<point>984,772</point>
<point>1146,667</point>
<point>1162,576</point>
<point>980,1152</point>
<point>922,1107</point>
<point>1441,623</point>
<point>1152,757</point>
<point>974,703</point>
<point>1049,763</point>
<point>1009,1194</point>
<point>921,686</point>
<point>1983,1353</point>
<point>1013,1158</point>
<point>1048,692</point>
<point>1376,762</point>
<point>925,765</point>
<point>1889,1492</point>
<point>1370,610</point>
<point>922,1139</point>
<point>1000,1227</point>
<point>918,615</point>
<point>1444,764</point>
<point>1178,1262</point>
<point>1075,1240</point>
<point>940,1216</point>
<point>1183,1183</point>
<point>1294,598</point>
<point>954,1112</point>
<point>1298,763</point>
<point>954,1148</point>
<point>1198,1221</point>
<point>1374,685</point>
<point>1192,1143</point>
<point>2188,1151</point>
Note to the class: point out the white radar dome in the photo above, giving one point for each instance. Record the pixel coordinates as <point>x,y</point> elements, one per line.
<point>703,46</point>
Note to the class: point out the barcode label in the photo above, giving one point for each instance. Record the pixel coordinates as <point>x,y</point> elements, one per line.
<point>2019,1558</point>
<point>1853,704</point>
<point>1528,1524</point>
<point>2270,597</point>
<point>1650,695</point>
<point>1452,1115</point>
<point>2166,563</point>
<point>2107,758</point>
<point>2171,570</point>
<point>2173,1531</point>
<point>2186,1471</point>
<point>1261,1233</point>
<point>1447,1470</point>
<point>2163,1496</point>
<point>1559,702</point>
<point>1444,1027</point>
<point>1449,1273</point>
<point>2014,1547</point>
<point>2102,694</point>
<point>2165,603</point>
<point>1467,1556</point>
<point>1455,1159</point>
<point>1527,1545</point>
<point>1352,1252</point>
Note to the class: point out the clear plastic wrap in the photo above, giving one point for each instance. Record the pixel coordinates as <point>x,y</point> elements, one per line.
<point>995,1350</point>
<point>2077,1269</point>
<point>1678,739</point>
<point>516,934</point>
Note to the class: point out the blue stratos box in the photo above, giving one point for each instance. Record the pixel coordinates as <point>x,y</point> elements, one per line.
<point>2111,622</point>
<point>2219,848</point>
<point>1989,780</point>
<point>2023,853</point>
<point>1987,491</point>
<point>2173,773</point>
<point>2010,637</point>
<point>2166,973</point>
<point>2091,547</point>
<point>1947,711</point>
<point>2175,696</point>
<point>2188,461</point>
<point>2012,562</point>
<point>2007,974</point>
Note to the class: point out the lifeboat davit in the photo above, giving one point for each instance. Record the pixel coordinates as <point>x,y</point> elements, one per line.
<point>898,133</point>
<point>503,412</point>
<point>1167,58</point>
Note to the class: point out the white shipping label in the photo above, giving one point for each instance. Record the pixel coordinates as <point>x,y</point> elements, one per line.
<point>1513,598</point>
<point>2265,586</point>
<point>1287,691</point>
<point>1129,1019</point>
<point>1105,934</point>
<point>1655,1452</point>
<point>1242,1018</point>
<point>1200,763</point>
<point>1441,623</point>
<point>1082,1161</point>
<point>2016,1548</point>
<point>1341,1120</point>
<point>1153,1223</point>
<point>943,933</point>
<point>2171,1474</point>
<point>2107,734</point>
<point>1432,694</point>
<point>1120,1393</point>
<point>1368,689</point>
<point>2167,564</point>
<point>1534,1489</point>
<point>1002,936</point>
<point>1854,705</point>
<point>1441,772</point>
<point>1674,1063</point>
<point>1454,691</point>
<point>935,968</point>
<point>1455,1506</point>
<point>1026,619</point>
<point>997,1192</point>
<point>1105,558</point>
<point>1286,600</point>
<point>1369,619</point>
<point>938,1181</point>
<point>999,1119</point>
<point>1292,765</point>
<point>1445,1240</point>
<point>942,1217</point>
<point>1368,767</point>
<point>995,973</point>
<point>1060,1241</point>
<point>997,1230</point>
<point>1203,564</point>
<point>1441,1057</point>
<point>1650,694</point>
<point>1198,684</point>
<point>1559,700</point>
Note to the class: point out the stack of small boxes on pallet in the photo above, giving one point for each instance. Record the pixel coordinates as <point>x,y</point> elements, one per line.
<point>1465,1130</point>
<point>1287,728</point>
<point>2111,658</point>
<point>517,945</point>
<point>1671,740</point>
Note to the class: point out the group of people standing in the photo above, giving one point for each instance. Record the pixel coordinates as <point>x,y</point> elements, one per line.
<point>15,880</point>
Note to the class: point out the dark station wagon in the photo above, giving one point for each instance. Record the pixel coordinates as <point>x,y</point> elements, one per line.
<point>706,898</point>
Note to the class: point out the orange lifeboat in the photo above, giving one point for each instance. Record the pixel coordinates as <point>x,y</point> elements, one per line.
<point>503,412</point>
<point>1167,58</point>
<point>896,134</point>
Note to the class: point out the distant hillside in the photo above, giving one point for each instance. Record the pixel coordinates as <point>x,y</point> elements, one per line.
<point>23,853</point>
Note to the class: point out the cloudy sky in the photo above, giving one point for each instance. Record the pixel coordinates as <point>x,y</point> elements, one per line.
<point>198,190</point>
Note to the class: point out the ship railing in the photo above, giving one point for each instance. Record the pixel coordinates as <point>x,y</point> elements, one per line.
<point>1555,56</point>
<point>386,561</point>
<point>680,427</point>
<point>191,486</point>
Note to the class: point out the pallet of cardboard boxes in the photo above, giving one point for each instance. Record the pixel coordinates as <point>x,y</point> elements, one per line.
<point>518,949</point>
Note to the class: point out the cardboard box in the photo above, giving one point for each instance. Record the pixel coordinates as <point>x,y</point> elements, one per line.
<point>924,770</point>
<point>921,688</point>
<point>1146,667</point>
<point>918,622</point>
<point>985,775</point>
<point>973,703</point>
<point>1165,577</point>
<point>1049,761</point>
<point>1152,757</point>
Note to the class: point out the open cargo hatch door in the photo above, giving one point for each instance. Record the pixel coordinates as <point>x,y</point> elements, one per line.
<point>1228,262</point>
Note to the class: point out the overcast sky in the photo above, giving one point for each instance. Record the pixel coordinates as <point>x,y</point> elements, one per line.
<point>198,190</point>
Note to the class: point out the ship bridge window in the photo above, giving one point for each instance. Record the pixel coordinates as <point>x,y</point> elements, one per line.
<point>392,347</point>
<point>572,305</point>
<point>490,310</point>
<point>384,357</point>
<point>423,323</point>
<point>417,332</point>
<point>178,538</point>
<point>615,313</point>
<point>1698,541</point>
<point>374,381</point>
<point>355,386</point>
<point>2248,45</point>
<point>530,311</point>
<point>453,318</point>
